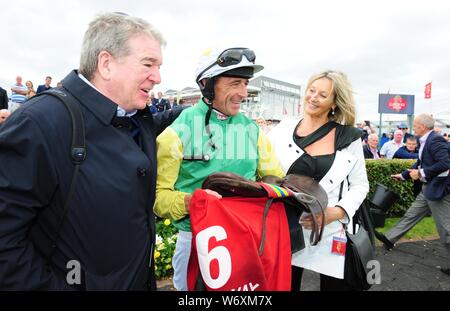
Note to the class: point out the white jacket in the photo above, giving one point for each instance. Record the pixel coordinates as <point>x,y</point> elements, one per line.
<point>349,164</point>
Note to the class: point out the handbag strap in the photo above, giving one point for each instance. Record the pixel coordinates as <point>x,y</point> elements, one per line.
<point>363,218</point>
<point>356,217</point>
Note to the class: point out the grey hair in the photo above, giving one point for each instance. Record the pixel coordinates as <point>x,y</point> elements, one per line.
<point>110,32</point>
<point>343,96</point>
<point>372,135</point>
<point>426,120</point>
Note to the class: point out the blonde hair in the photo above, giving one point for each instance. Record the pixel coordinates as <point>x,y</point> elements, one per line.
<point>342,92</point>
<point>31,83</point>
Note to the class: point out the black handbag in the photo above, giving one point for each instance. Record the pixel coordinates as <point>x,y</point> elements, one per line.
<point>359,250</point>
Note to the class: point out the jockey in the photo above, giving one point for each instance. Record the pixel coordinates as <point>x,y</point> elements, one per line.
<point>213,136</point>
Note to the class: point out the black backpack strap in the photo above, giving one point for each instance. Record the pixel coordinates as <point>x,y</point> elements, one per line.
<point>77,152</point>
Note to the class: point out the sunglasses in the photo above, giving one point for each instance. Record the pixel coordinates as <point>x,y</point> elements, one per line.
<point>231,57</point>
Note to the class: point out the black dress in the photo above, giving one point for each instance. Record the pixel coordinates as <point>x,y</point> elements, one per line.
<point>317,167</point>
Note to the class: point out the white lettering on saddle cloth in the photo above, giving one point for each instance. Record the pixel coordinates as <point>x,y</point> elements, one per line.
<point>246,287</point>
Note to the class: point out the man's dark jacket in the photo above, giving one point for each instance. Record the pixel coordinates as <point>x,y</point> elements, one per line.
<point>367,153</point>
<point>435,161</point>
<point>42,88</point>
<point>109,228</point>
<point>161,105</point>
<point>3,99</point>
<point>404,153</point>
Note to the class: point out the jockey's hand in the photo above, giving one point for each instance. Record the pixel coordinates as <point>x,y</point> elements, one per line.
<point>213,193</point>
<point>187,198</point>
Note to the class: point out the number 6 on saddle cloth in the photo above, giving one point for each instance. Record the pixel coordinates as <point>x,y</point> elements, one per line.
<point>244,241</point>
<point>292,190</point>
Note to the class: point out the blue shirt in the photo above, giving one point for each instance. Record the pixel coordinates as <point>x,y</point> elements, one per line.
<point>16,97</point>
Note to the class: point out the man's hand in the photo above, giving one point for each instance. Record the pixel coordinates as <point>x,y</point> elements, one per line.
<point>187,201</point>
<point>414,174</point>
<point>397,177</point>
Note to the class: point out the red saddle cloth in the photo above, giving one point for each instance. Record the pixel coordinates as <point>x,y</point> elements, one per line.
<point>226,236</point>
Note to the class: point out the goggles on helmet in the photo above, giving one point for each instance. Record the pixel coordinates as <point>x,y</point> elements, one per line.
<point>231,57</point>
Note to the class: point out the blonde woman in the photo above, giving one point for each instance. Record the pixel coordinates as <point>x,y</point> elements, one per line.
<point>30,89</point>
<point>325,146</point>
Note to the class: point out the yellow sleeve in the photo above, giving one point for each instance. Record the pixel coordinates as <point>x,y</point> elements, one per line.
<point>169,203</point>
<point>268,163</point>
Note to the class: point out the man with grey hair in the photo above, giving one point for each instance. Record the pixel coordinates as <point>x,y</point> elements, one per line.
<point>96,233</point>
<point>388,150</point>
<point>18,94</point>
<point>432,169</point>
<point>371,148</point>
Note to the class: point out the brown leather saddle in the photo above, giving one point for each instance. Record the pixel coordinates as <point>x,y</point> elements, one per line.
<point>298,192</point>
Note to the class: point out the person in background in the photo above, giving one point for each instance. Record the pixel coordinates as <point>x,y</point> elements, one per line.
<point>408,151</point>
<point>404,128</point>
<point>262,124</point>
<point>3,98</point>
<point>161,103</point>
<point>46,86</point>
<point>432,169</point>
<point>326,146</point>
<point>388,150</point>
<point>4,114</point>
<point>384,139</point>
<point>438,130</point>
<point>30,89</point>
<point>150,106</point>
<point>18,94</point>
<point>371,148</point>
<point>446,136</point>
<point>173,102</point>
<point>366,128</point>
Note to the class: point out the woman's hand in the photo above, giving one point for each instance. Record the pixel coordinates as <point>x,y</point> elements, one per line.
<point>331,213</point>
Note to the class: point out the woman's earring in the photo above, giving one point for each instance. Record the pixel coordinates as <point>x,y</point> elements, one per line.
<point>332,111</point>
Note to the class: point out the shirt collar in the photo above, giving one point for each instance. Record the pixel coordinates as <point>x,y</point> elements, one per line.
<point>95,102</point>
<point>120,111</point>
<point>424,138</point>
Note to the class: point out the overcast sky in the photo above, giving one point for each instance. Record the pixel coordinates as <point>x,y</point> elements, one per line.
<point>382,45</point>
